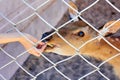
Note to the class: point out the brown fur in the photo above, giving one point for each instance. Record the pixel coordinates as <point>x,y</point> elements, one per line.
<point>73,6</point>
<point>97,49</point>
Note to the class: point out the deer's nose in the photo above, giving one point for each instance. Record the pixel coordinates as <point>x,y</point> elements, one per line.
<point>45,35</point>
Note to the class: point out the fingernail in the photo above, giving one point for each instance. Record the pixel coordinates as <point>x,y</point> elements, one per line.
<point>39,46</point>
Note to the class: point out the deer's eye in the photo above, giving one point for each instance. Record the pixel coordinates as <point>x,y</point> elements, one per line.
<point>45,35</point>
<point>81,34</point>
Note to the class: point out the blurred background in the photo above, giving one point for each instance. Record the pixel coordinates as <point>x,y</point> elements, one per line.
<point>55,12</point>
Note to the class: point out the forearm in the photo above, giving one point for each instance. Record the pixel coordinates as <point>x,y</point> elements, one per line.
<point>9,37</point>
<point>13,37</point>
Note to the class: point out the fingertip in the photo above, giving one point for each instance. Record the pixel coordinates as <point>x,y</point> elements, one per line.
<point>37,55</point>
<point>42,43</point>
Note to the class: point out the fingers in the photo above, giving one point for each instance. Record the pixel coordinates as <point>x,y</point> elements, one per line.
<point>42,47</point>
<point>34,52</point>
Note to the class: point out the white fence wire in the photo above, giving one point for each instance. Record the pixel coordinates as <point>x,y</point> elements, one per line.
<point>96,68</point>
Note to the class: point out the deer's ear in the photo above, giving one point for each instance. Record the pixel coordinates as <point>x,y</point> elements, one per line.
<point>110,27</point>
<point>72,11</point>
<point>114,28</point>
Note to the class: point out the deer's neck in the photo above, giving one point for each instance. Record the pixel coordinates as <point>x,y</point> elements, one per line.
<point>100,50</point>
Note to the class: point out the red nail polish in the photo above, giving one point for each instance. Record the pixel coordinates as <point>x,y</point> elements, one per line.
<point>39,46</point>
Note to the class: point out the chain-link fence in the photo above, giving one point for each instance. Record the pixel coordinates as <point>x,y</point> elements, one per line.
<point>35,13</point>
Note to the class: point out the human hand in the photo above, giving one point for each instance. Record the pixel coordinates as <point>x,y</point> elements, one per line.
<point>30,47</point>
